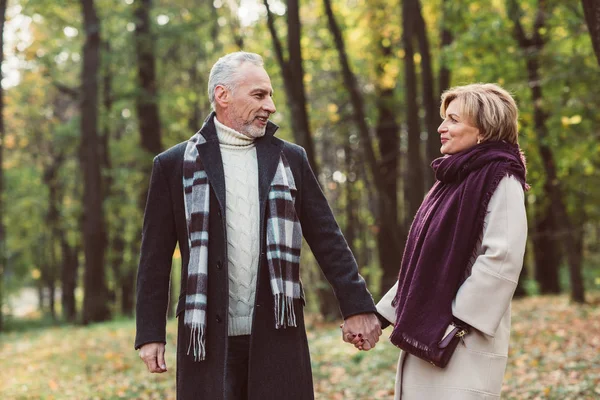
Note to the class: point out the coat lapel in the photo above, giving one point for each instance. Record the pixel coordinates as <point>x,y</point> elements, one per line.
<point>210,154</point>
<point>268,153</point>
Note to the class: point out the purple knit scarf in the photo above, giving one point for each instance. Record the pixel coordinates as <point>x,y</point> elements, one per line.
<point>443,237</point>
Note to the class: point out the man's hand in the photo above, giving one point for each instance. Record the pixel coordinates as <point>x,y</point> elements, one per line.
<point>153,355</point>
<point>362,330</point>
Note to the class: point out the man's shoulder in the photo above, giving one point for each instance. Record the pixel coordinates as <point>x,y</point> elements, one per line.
<point>172,154</point>
<point>291,148</point>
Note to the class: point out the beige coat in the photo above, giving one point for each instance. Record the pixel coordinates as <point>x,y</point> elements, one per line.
<point>477,367</point>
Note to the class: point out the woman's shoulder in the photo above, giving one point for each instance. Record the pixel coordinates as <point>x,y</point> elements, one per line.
<point>509,193</point>
<point>511,185</point>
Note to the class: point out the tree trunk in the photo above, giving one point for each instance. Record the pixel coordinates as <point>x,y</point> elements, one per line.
<point>147,100</point>
<point>128,292</point>
<point>117,248</point>
<point>293,78</point>
<point>351,209</point>
<point>95,303</point>
<point>127,283</point>
<point>591,10</point>
<point>532,47</point>
<point>357,101</point>
<point>2,237</point>
<point>386,131</point>
<point>392,237</point>
<point>70,264</point>
<point>430,104</point>
<point>546,250</point>
<point>415,188</point>
<point>52,223</point>
<point>446,40</point>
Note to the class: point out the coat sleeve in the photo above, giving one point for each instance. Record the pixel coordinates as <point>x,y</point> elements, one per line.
<point>330,248</point>
<point>385,308</point>
<point>485,295</point>
<point>158,243</point>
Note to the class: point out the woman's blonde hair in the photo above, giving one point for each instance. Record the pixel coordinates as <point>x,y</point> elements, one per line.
<point>490,108</point>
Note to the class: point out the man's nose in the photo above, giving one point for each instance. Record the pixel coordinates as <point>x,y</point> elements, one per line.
<point>269,106</point>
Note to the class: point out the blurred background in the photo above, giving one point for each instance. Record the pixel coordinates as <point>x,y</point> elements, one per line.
<point>92,90</point>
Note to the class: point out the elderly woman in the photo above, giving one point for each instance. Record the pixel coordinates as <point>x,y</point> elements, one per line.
<point>463,255</point>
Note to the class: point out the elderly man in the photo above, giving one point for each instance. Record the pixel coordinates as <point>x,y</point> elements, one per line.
<point>238,201</point>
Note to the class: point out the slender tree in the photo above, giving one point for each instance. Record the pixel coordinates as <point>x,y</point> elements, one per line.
<point>546,250</point>
<point>388,136</point>
<point>591,9</point>
<point>393,234</point>
<point>147,99</point>
<point>414,187</point>
<point>293,77</point>
<point>429,100</point>
<point>95,302</point>
<point>2,237</point>
<point>532,46</point>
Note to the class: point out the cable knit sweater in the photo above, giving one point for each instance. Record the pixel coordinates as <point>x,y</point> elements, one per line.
<point>243,246</point>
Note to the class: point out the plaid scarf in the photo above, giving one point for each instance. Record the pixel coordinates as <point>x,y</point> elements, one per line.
<point>284,240</point>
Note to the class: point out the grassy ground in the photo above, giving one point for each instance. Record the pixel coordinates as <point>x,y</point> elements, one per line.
<point>555,354</point>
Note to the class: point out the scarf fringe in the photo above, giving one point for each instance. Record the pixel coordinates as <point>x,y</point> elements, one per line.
<point>197,342</point>
<point>410,344</point>
<point>285,315</point>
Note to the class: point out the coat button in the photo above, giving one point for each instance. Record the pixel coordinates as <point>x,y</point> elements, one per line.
<point>218,319</point>
<point>219,213</point>
<point>219,264</point>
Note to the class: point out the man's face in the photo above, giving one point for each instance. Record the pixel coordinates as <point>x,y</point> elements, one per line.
<point>249,106</point>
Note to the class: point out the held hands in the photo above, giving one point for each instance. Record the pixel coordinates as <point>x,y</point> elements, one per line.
<point>362,330</point>
<point>153,355</point>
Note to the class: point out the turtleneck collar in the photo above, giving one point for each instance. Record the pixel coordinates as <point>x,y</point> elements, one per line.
<point>231,137</point>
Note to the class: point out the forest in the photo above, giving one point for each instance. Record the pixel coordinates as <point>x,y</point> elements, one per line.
<point>93,90</point>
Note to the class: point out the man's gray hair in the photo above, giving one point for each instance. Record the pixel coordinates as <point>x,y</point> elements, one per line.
<point>224,72</point>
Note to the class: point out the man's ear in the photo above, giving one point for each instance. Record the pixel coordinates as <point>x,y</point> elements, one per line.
<point>221,96</point>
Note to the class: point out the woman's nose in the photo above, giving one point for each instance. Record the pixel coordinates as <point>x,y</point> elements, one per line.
<point>441,128</point>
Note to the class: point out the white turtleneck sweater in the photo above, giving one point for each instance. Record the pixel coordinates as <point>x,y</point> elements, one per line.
<point>242,216</point>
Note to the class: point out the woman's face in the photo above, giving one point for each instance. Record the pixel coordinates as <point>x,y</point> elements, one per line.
<point>457,132</point>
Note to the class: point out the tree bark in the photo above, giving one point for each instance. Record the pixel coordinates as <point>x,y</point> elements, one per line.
<point>70,264</point>
<point>387,132</point>
<point>393,236</point>
<point>293,78</point>
<point>52,223</point>
<point>591,10</point>
<point>360,119</point>
<point>430,104</point>
<point>532,47</point>
<point>147,100</point>
<point>2,231</point>
<point>446,40</point>
<point>415,187</point>
<point>95,303</point>
<point>546,250</point>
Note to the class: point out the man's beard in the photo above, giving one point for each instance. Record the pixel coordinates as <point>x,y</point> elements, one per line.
<point>252,131</point>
